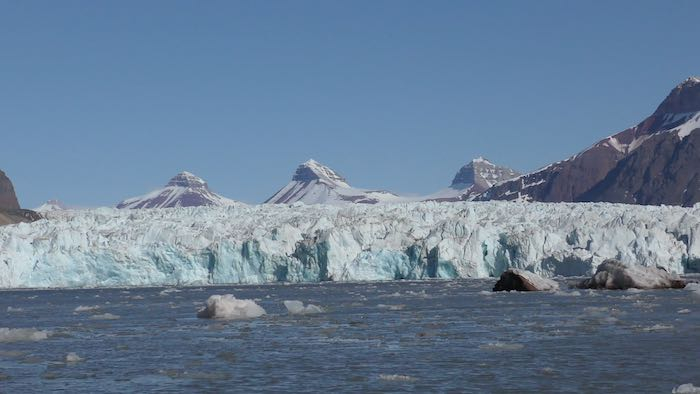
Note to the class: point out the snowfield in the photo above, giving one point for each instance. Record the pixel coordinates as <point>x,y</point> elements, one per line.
<point>267,243</point>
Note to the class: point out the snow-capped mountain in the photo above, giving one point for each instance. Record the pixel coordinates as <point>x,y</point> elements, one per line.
<point>183,190</point>
<point>472,179</point>
<point>355,242</point>
<point>654,162</point>
<point>314,183</point>
<point>50,206</point>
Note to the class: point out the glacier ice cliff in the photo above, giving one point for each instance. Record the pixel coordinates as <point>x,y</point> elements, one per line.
<point>268,243</point>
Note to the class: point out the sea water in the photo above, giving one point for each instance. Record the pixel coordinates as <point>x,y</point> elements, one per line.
<point>389,336</point>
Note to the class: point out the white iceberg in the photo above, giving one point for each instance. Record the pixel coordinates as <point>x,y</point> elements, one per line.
<point>298,308</point>
<point>687,388</point>
<point>73,358</point>
<point>230,308</point>
<point>22,334</point>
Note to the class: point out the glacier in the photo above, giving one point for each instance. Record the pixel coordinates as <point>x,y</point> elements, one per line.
<point>253,244</point>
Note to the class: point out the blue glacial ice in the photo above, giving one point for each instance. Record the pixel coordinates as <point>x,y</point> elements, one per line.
<point>309,243</point>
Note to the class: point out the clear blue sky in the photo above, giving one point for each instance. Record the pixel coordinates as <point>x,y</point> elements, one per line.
<point>105,100</point>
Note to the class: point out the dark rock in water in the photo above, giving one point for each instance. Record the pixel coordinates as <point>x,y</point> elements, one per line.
<point>520,280</point>
<point>615,275</point>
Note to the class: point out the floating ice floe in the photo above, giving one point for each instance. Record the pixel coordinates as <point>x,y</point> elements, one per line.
<point>22,334</point>
<point>694,289</point>
<point>295,307</point>
<point>105,316</point>
<point>615,275</point>
<point>521,280</point>
<point>496,346</point>
<point>73,358</point>
<point>229,307</point>
<point>11,309</point>
<point>397,378</point>
<point>687,388</point>
<point>84,308</point>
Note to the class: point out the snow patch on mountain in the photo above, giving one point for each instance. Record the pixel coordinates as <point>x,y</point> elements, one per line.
<point>49,206</point>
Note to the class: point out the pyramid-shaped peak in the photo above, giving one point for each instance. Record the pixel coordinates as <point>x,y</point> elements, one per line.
<point>187,179</point>
<point>481,172</point>
<point>690,81</point>
<point>684,98</point>
<point>480,160</point>
<point>312,170</point>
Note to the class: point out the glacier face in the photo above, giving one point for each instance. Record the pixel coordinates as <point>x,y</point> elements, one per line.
<point>266,243</point>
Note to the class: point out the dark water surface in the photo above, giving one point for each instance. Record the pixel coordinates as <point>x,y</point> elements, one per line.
<point>399,336</point>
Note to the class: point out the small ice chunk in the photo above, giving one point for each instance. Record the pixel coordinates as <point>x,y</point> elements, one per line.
<point>396,378</point>
<point>83,308</point>
<point>683,311</point>
<point>658,327</point>
<point>295,307</point>
<point>73,358</point>
<point>11,309</point>
<point>22,334</point>
<point>228,307</point>
<point>501,346</point>
<point>686,389</point>
<point>105,316</point>
<point>574,293</point>
<point>168,291</point>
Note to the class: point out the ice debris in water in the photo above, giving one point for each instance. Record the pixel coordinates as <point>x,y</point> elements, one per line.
<point>168,291</point>
<point>228,307</point>
<point>73,358</point>
<point>11,309</point>
<point>501,346</point>
<point>295,307</point>
<point>694,289</point>
<point>396,378</point>
<point>658,327</point>
<point>83,308</point>
<point>105,316</point>
<point>22,334</point>
<point>686,389</point>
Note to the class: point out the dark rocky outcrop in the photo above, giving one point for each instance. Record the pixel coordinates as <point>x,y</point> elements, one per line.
<point>519,280</point>
<point>12,216</point>
<point>10,211</point>
<point>663,170</point>
<point>615,275</point>
<point>8,199</point>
